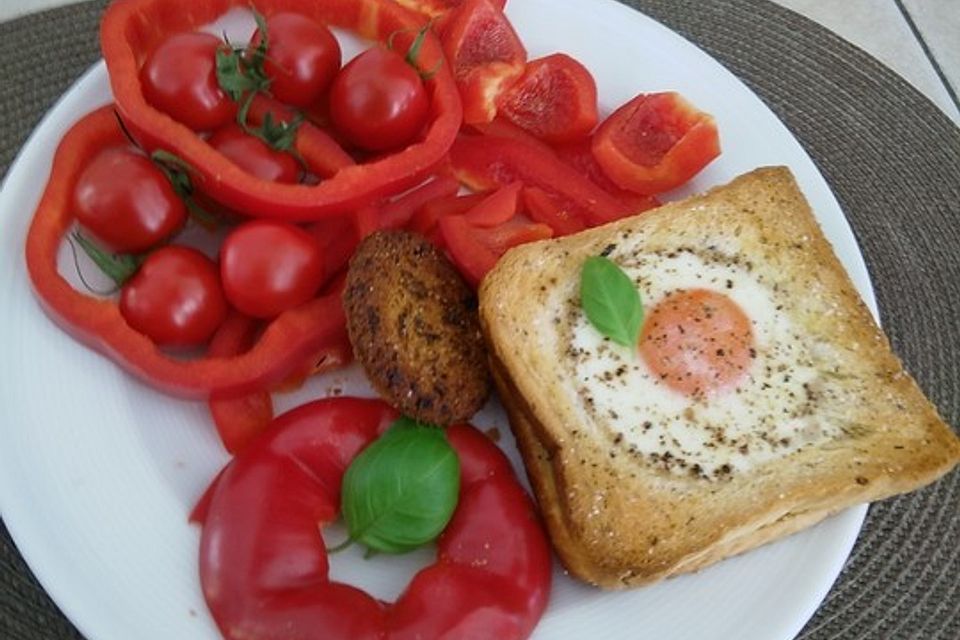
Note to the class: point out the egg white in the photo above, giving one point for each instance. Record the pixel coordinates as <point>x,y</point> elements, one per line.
<point>768,414</point>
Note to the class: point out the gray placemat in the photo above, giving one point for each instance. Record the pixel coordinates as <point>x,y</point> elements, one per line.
<point>892,159</point>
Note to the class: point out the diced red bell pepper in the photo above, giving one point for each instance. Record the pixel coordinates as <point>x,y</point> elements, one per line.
<point>285,343</point>
<point>655,142</point>
<point>132,28</point>
<point>579,155</point>
<point>555,99</point>
<point>486,54</point>
<point>241,418</point>
<point>484,162</point>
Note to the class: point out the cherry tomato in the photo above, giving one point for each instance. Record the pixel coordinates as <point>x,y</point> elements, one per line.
<point>268,267</point>
<point>175,298</point>
<point>303,57</point>
<point>126,202</point>
<point>179,77</point>
<point>378,102</point>
<point>255,156</point>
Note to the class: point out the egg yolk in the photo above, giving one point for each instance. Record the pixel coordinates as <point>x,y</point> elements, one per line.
<point>699,342</point>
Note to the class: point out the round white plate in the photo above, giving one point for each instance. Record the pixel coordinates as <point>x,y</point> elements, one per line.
<point>98,472</point>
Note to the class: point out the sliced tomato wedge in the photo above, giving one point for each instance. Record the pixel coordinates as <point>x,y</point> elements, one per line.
<point>555,99</point>
<point>655,142</point>
<point>486,54</point>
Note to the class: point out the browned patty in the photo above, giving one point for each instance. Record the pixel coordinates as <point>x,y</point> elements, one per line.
<point>414,327</point>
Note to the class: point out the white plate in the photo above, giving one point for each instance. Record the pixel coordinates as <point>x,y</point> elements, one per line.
<point>98,472</point>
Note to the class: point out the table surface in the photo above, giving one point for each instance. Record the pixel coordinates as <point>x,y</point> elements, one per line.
<point>904,596</point>
<point>918,39</point>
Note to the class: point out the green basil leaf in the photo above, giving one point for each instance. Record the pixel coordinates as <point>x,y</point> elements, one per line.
<point>611,300</point>
<point>401,491</point>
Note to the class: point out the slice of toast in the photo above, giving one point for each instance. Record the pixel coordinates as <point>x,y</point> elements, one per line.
<point>638,481</point>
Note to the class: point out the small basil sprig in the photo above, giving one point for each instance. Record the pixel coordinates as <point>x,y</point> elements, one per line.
<point>610,300</point>
<point>401,491</point>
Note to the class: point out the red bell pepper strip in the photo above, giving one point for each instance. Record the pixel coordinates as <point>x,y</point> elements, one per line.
<point>486,54</point>
<point>285,344</point>
<point>544,208</point>
<point>437,9</point>
<point>475,250</point>
<point>241,418</point>
<point>503,128</point>
<point>484,162</point>
<point>131,28</point>
<point>322,154</point>
<point>496,208</point>
<point>264,568</point>
<point>424,220</point>
<point>338,240</point>
<point>579,155</point>
<point>472,259</point>
<point>397,213</point>
<point>655,142</point>
<point>555,99</point>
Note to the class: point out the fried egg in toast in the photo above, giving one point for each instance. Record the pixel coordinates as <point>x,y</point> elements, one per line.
<point>760,397</point>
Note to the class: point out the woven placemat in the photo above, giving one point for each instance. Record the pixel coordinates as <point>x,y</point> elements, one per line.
<point>893,161</point>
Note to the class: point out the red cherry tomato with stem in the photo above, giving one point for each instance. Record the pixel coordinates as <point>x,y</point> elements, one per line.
<point>378,101</point>
<point>255,156</point>
<point>175,298</point>
<point>303,57</point>
<point>179,77</point>
<point>269,267</point>
<point>126,201</point>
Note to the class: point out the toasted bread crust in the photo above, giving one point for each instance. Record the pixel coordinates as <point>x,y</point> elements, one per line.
<point>619,522</point>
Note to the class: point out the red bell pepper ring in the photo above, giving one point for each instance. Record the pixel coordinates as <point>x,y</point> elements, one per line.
<point>486,54</point>
<point>263,563</point>
<point>655,142</point>
<point>322,154</point>
<point>484,162</point>
<point>555,99</point>
<point>131,28</point>
<point>285,344</point>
